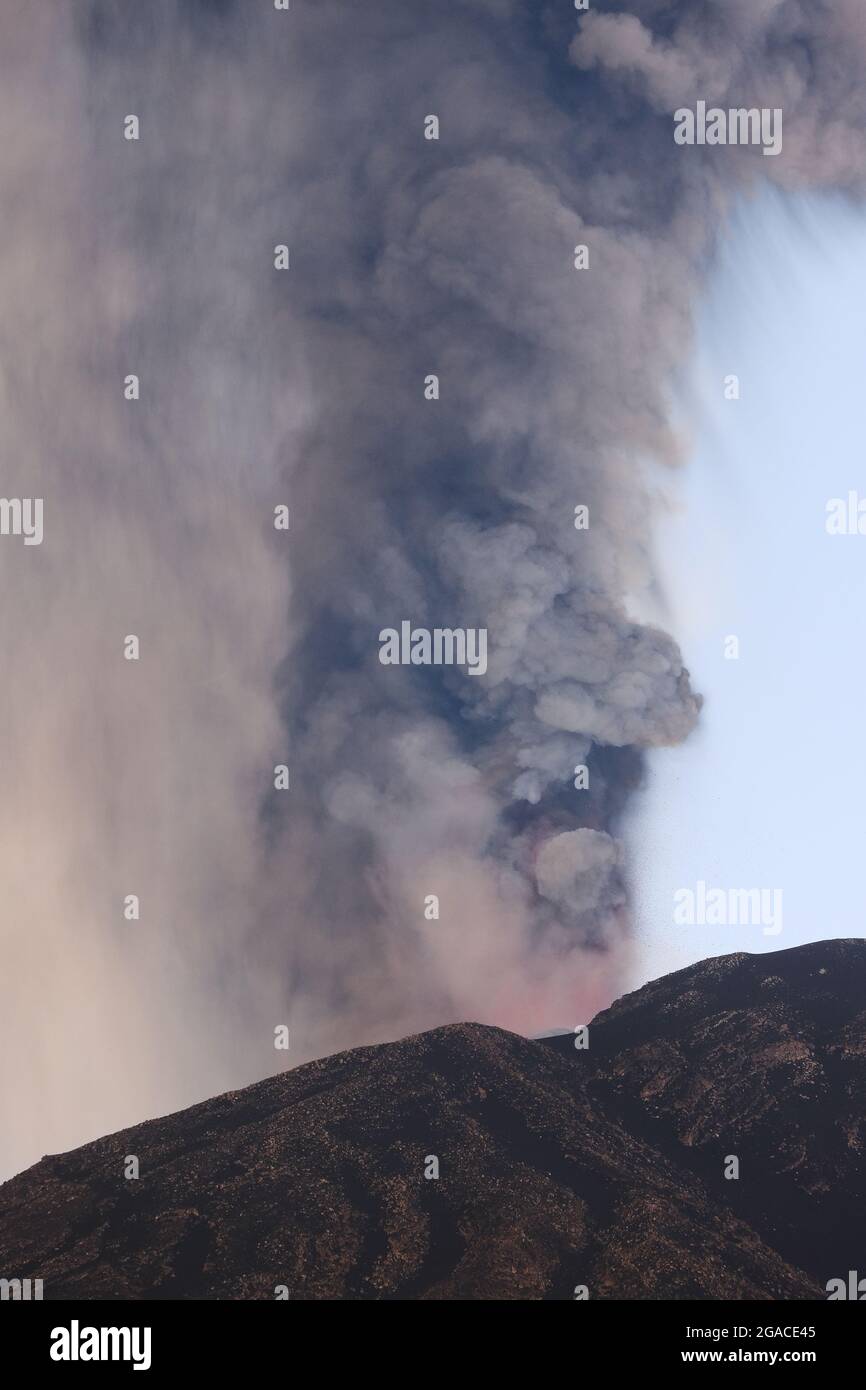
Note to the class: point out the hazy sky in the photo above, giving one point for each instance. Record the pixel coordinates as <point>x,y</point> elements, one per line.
<point>769,790</point>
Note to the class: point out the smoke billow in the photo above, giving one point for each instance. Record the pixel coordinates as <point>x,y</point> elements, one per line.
<point>409,258</point>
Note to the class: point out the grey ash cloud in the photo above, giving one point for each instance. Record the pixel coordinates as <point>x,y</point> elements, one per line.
<point>408,258</point>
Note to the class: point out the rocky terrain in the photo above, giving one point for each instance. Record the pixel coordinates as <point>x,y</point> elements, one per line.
<point>558,1169</point>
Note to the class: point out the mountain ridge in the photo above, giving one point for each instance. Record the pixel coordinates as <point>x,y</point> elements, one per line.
<point>559,1169</point>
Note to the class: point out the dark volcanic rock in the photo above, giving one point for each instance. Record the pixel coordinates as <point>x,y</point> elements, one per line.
<point>763,1057</point>
<point>557,1168</point>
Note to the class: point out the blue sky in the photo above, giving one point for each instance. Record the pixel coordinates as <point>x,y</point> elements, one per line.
<point>769,792</point>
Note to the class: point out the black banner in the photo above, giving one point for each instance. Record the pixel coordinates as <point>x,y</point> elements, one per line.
<point>156,1339</point>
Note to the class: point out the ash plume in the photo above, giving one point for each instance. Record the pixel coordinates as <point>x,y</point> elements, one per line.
<point>409,257</point>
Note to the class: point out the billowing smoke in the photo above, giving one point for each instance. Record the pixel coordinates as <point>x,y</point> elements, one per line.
<point>409,258</point>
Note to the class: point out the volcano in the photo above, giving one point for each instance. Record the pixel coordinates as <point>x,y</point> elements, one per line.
<point>470,1163</point>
